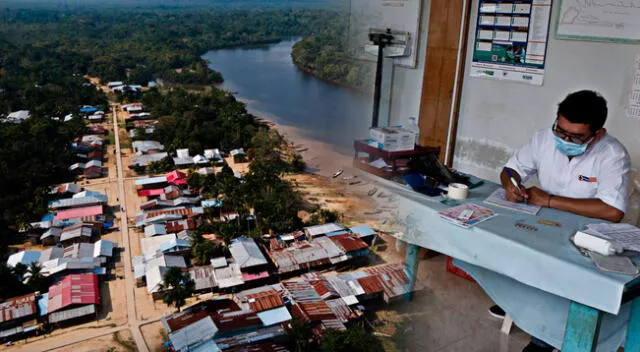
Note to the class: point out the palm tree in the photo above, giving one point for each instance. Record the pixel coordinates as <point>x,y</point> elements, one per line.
<point>203,251</point>
<point>176,287</point>
<point>20,270</point>
<point>37,281</point>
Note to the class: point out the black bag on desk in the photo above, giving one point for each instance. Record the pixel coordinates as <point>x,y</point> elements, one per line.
<point>431,167</point>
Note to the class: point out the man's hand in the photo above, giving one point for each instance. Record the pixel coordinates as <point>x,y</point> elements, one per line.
<point>538,197</point>
<point>515,194</point>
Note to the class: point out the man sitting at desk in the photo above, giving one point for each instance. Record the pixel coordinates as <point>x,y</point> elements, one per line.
<point>580,168</point>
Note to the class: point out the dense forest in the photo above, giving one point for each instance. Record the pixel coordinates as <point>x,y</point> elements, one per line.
<point>44,55</point>
<point>43,48</point>
<point>326,56</point>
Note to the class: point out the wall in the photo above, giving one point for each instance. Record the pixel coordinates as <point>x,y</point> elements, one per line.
<point>497,117</point>
<point>407,82</point>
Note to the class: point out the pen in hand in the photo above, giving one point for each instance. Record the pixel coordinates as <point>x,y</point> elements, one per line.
<point>516,184</point>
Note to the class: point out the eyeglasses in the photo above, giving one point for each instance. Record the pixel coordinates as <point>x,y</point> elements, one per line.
<point>558,131</point>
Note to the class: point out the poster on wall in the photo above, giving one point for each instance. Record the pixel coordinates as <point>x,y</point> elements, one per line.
<point>633,108</point>
<point>511,40</point>
<point>617,21</point>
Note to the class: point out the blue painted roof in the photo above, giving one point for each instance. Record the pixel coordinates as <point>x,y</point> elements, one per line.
<point>212,203</point>
<point>336,233</point>
<point>47,217</point>
<point>89,109</point>
<point>363,231</point>
<point>174,244</point>
<point>274,316</point>
<point>43,304</point>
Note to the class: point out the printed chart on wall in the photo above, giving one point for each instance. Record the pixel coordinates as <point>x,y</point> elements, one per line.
<point>633,109</point>
<point>511,40</point>
<point>603,20</point>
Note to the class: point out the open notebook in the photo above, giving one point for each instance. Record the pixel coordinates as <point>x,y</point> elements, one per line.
<point>497,198</point>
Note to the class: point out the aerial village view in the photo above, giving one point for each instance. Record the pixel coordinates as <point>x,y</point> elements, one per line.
<point>319,175</point>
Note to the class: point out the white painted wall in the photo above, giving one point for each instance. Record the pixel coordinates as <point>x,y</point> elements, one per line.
<point>407,82</point>
<point>497,117</point>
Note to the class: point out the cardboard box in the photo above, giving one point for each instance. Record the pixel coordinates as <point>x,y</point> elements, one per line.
<point>392,139</point>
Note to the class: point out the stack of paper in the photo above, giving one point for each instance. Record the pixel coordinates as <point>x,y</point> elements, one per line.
<point>624,235</point>
<point>467,215</point>
<point>498,199</point>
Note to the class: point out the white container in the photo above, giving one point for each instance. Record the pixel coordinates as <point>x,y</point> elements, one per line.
<point>457,191</point>
<point>392,138</point>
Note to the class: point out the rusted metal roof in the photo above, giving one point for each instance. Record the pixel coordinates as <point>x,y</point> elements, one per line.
<point>349,242</point>
<point>313,311</point>
<point>371,284</point>
<point>264,300</point>
<point>393,279</point>
<point>17,307</point>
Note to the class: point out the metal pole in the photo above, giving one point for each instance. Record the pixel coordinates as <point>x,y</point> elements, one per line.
<point>378,86</point>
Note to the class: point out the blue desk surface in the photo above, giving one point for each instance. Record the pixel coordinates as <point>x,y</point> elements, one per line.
<point>545,259</point>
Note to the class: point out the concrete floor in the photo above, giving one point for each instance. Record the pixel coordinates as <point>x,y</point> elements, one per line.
<point>451,315</point>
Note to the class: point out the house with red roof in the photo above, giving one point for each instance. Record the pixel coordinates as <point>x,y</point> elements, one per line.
<point>177,178</point>
<point>74,296</point>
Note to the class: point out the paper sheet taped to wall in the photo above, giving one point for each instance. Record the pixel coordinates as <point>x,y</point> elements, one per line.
<point>633,108</point>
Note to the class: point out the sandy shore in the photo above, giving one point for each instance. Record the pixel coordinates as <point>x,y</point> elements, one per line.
<point>321,158</point>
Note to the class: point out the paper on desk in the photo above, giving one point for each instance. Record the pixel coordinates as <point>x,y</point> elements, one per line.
<point>614,264</point>
<point>379,164</point>
<point>498,199</point>
<point>625,235</point>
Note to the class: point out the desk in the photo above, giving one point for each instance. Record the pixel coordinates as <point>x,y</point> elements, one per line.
<point>395,159</point>
<point>544,260</point>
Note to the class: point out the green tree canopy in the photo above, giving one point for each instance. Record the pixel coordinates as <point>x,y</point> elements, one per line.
<point>176,287</point>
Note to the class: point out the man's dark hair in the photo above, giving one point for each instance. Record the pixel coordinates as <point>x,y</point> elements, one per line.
<point>585,106</point>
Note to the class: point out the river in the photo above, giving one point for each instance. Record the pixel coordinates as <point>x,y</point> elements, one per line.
<point>266,78</point>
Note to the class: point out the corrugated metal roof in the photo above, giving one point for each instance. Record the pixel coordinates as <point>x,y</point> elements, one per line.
<point>17,307</point>
<point>103,248</point>
<point>76,202</point>
<point>203,277</point>
<point>173,245</point>
<point>307,254</point>
<point>341,310</point>
<point>265,300</point>
<point>393,278</point>
<point>154,277</point>
<point>74,289</point>
<point>79,250</point>
<point>146,146</point>
<point>349,242</point>
<point>318,230</point>
<point>219,262</point>
<point>154,230</point>
<point>197,332</point>
<point>246,253</point>
<point>245,340</point>
<point>51,253</point>
<point>151,245</point>
<point>301,291</point>
<point>315,311</point>
<point>371,284</point>
<point>78,212</point>
<point>24,257</point>
<point>76,232</point>
<point>229,276</point>
<point>150,180</point>
<point>274,316</point>
<point>54,232</point>
<point>73,313</point>
<point>146,159</point>
<point>363,231</point>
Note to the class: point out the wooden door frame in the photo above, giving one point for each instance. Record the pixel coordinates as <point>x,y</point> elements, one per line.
<point>443,77</point>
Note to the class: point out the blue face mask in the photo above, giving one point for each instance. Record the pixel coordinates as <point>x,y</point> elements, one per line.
<point>570,148</point>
